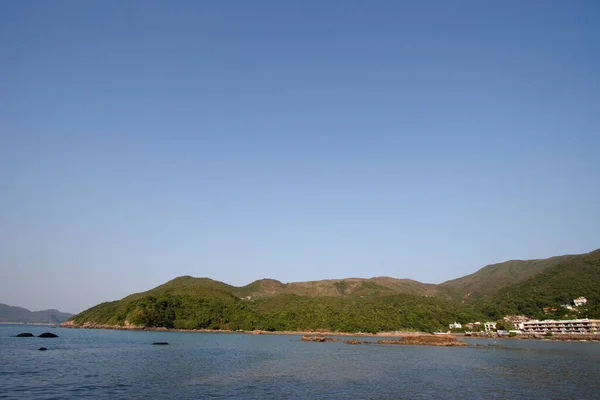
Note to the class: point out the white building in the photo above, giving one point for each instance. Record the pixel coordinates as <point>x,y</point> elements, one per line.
<point>519,325</point>
<point>580,301</point>
<point>562,326</point>
<point>489,326</point>
<point>455,325</point>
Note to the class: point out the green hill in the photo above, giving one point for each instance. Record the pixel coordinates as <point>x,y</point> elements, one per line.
<point>186,285</point>
<point>200,303</point>
<point>281,312</point>
<point>358,305</point>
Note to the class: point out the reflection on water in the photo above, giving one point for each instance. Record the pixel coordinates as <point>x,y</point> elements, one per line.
<point>119,364</point>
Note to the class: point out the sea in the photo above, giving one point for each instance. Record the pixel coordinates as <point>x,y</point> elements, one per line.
<point>111,364</point>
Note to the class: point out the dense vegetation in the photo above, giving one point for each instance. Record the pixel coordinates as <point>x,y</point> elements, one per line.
<point>361,305</point>
<point>282,312</point>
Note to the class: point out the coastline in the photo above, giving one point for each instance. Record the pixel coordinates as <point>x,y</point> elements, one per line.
<point>70,325</point>
<point>556,337</point>
<point>395,334</point>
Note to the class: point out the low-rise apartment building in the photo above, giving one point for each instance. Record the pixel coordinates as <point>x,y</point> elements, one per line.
<point>455,325</point>
<point>562,326</point>
<point>489,326</point>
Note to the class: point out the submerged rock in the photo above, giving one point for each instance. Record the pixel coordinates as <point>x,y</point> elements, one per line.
<point>25,334</point>
<point>48,335</point>
<point>160,343</point>
<point>42,349</point>
<point>354,341</point>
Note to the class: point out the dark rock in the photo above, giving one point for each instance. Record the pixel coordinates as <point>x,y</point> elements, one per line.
<point>42,349</point>
<point>160,343</point>
<point>48,335</point>
<point>25,334</point>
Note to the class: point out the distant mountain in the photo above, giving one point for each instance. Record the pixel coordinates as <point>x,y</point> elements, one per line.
<point>23,315</point>
<point>356,304</point>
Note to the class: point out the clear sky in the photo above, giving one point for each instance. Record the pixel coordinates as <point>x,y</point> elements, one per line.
<point>238,140</point>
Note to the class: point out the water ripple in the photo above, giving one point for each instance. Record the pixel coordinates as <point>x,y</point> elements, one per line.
<point>124,365</point>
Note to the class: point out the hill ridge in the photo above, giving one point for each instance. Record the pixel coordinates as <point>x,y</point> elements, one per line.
<point>474,286</point>
<point>356,304</point>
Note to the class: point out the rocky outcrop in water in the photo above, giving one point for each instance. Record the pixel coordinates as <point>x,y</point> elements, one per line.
<point>425,340</point>
<point>160,343</point>
<point>48,335</point>
<point>42,349</point>
<point>25,334</point>
<point>320,339</point>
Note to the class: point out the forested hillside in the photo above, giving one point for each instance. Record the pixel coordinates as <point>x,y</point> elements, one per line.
<point>360,305</point>
<point>282,312</point>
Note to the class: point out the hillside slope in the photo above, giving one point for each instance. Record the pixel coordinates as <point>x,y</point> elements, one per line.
<point>492,278</point>
<point>569,278</point>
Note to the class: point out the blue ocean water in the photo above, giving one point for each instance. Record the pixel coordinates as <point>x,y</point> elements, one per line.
<point>125,365</point>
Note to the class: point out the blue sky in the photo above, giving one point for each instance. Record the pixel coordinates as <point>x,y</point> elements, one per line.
<point>143,140</point>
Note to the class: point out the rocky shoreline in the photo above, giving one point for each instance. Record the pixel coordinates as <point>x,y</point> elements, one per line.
<point>406,336</point>
<point>87,325</point>
<point>398,337</point>
<point>420,340</point>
